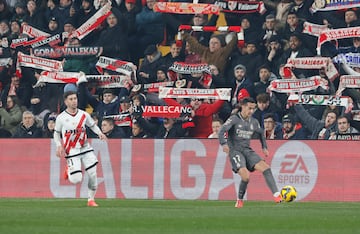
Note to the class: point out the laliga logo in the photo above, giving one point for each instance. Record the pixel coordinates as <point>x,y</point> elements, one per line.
<point>294,163</point>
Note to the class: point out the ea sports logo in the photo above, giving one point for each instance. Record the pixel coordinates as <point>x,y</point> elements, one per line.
<point>294,163</point>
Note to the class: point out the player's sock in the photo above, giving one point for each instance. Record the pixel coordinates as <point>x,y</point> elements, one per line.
<point>91,194</point>
<point>92,183</point>
<point>242,189</point>
<point>270,181</point>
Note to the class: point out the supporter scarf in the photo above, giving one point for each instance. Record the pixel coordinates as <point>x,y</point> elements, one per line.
<point>348,81</point>
<point>346,137</point>
<point>220,94</point>
<point>93,22</point>
<point>320,100</point>
<point>124,67</point>
<point>165,111</point>
<point>186,8</point>
<point>152,87</point>
<point>314,63</point>
<point>25,60</point>
<point>60,52</point>
<point>41,41</point>
<point>102,81</point>
<point>60,77</point>
<point>110,81</point>
<point>314,29</point>
<point>330,5</point>
<point>18,42</point>
<point>121,120</point>
<point>190,68</point>
<point>241,7</point>
<point>5,62</point>
<point>237,29</point>
<point>298,85</point>
<point>33,32</point>
<point>351,59</point>
<point>334,34</point>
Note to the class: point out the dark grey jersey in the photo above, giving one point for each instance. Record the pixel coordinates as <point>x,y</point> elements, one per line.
<point>240,131</point>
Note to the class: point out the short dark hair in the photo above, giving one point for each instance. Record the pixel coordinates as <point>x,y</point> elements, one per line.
<point>247,100</point>
<point>269,115</point>
<point>68,93</point>
<point>111,121</point>
<point>263,97</point>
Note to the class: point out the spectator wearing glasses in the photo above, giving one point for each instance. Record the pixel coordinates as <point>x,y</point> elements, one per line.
<point>272,129</point>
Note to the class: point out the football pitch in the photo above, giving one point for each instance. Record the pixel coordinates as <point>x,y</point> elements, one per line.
<point>68,216</point>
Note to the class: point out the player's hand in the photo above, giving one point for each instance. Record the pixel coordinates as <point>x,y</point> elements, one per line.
<point>60,152</point>
<point>102,136</point>
<point>266,152</point>
<point>226,149</point>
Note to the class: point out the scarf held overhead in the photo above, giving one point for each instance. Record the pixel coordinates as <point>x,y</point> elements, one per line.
<point>219,94</point>
<point>298,85</point>
<point>186,8</point>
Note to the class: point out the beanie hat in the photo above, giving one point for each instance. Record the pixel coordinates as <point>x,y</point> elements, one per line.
<point>70,87</point>
<point>240,66</point>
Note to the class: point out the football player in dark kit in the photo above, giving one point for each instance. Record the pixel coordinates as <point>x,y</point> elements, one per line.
<point>240,128</point>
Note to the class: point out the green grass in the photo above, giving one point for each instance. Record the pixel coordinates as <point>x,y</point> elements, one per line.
<point>68,216</point>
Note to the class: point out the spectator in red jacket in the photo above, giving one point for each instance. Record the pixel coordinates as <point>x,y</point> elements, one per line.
<point>202,114</point>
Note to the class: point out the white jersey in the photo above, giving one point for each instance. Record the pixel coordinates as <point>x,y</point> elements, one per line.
<point>73,131</point>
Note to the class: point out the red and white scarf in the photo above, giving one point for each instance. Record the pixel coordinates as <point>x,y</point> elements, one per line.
<point>33,32</point>
<point>25,60</point>
<point>237,29</point>
<point>314,29</point>
<point>348,81</point>
<point>241,6</point>
<point>219,94</point>
<point>93,22</point>
<point>152,87</point>
<point>190,68</point>
<point>314,63</point>
<point>186,8</point>
<point>41,41</point>
<point>298,85</point>
<point>59,77</point>
<point>102,81</point>
<point>123,67</point>
<point>334,34</point>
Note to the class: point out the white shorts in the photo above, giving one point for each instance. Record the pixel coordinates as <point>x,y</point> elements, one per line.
<point>88,160</point>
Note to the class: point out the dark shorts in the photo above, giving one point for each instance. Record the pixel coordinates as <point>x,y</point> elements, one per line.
<point>244,158</point>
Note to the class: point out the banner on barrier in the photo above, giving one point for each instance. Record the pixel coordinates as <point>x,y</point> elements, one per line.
<point>182,169</point>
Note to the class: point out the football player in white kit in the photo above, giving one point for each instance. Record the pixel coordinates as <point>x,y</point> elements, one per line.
<point>72,143</point>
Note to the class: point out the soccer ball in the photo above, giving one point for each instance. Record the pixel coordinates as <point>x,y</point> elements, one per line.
<point>288,193</point>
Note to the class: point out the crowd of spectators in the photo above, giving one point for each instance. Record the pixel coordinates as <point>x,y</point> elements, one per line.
<point>133,32</point>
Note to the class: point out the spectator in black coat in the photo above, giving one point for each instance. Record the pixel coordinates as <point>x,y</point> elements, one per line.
<point>35,17</point>
<point>114,37</point>
<point>109,128</point>
<point>28,127</point>
<point>149,66</point>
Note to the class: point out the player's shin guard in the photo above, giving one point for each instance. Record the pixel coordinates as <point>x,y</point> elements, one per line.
<point>92,184</point>
<point>270,181</point>
<point>242,189</point>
